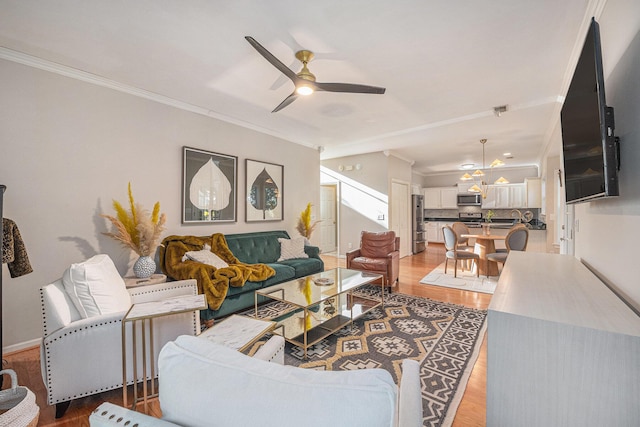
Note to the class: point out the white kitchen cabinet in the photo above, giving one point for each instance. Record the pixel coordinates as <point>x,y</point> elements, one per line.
<point>533,192</point>
<point>505,196</point>
<point>434,230</point>
<point>517,196</point>
<point>432,198</point>
<point>441,198</point>
<point>449,198</point>
<point>496,197</point>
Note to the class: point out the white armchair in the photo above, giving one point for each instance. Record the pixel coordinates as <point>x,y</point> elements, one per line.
<point>83,356</point>
<point>206,384</point>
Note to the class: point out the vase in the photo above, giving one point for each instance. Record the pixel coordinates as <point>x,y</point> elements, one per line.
<point>144,267</point>
<point>486,229</point>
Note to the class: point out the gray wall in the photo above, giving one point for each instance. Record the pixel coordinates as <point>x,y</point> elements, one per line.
<point>68,148</point>
<point>606,231</point>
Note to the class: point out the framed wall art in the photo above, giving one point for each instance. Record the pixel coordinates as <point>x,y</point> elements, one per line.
<point>209,187</point>
<point>264,191</point>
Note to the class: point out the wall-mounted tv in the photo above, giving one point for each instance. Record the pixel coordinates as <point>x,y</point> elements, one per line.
<point>589,147</point>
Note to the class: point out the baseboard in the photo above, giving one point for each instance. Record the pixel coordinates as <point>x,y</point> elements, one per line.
<point>21,346</point>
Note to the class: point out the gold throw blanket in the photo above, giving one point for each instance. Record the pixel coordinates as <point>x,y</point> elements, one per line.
<point>213,282</point>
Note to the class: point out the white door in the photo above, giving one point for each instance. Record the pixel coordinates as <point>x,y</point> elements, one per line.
<point>400,212</point>
<point>567,242</point>
<point>328,218</point>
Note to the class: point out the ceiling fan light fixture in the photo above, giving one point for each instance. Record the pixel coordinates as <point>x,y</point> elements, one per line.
<point>304,80</point>
<point>304,90</point>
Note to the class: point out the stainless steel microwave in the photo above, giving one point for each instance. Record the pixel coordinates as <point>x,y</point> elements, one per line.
<point>469,199</point>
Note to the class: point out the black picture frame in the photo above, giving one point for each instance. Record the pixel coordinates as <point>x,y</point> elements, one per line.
<point>209,187</point>
<point>264,191</point>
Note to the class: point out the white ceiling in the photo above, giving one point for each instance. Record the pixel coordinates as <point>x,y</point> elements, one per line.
<point>445,65</point>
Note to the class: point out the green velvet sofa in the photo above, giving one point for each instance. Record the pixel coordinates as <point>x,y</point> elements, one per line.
<point>262,248</point>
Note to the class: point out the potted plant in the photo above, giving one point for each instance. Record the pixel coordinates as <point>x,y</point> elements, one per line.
<point>486,227</point>
<point>305,227</point>
<point>139,231</point>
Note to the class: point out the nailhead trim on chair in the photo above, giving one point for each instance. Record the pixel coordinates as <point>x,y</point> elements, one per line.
<point>49,382</point>
<point>275,353</point>
<point>142,290</point>
<point>44,318</point>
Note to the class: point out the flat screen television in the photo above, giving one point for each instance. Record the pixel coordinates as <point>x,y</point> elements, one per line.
<point>589,147</point>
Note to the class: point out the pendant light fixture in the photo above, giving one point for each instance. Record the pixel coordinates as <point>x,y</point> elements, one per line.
<point>479,184</point>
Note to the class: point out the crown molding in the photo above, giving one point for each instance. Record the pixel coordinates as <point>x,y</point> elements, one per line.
<point>84,76</point>
<point>397,156</point>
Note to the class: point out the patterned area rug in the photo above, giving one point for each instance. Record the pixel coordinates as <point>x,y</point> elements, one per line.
<point>466,280</point>
<point>444,338</point>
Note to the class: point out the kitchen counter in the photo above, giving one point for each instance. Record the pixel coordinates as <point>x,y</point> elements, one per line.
<point>494,225</point>
<point>430,219</point>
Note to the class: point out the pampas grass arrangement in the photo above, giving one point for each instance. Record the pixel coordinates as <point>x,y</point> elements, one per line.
<point>305,227</point>
<point>136,229</point>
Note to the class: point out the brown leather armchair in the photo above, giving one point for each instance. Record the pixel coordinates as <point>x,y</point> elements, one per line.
<point>378,253</point>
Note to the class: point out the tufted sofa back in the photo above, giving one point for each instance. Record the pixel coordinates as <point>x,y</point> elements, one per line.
<point>258,247</point>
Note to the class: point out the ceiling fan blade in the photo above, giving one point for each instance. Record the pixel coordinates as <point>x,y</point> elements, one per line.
<point>349,87</point>
<point>288,100</point>
<point>272,59</point>
<point>282,79</point>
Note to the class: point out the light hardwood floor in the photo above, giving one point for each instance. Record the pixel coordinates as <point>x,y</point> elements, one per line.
<point>471,412</point>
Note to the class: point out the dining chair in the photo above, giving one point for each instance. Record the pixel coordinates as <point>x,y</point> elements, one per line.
<point>516,240</point>
<point>461,228</point>
<point>451,245</point>
<point>518,225</point>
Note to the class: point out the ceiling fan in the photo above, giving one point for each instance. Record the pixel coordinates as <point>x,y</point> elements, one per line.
<point>304,80</point>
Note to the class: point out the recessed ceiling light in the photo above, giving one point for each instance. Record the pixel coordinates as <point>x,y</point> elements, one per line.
<point>467,166</point>
<point>506,154</point>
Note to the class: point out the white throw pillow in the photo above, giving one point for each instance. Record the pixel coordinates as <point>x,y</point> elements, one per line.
<point>206,257</point>
<point>96,287</point>
<point>292,248</point>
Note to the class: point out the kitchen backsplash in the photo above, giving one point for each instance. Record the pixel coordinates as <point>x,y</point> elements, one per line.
<point>498,213</point>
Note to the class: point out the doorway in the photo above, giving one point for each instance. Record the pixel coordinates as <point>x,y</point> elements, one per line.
<point>400,215</point>
<point>329,219</point>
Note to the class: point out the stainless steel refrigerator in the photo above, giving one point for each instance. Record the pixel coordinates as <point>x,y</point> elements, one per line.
<point>417,228</point>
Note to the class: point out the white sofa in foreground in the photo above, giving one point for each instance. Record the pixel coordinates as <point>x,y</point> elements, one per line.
<point>206,384</point>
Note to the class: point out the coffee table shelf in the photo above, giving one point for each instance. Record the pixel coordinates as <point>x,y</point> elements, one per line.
<point>317,311</point>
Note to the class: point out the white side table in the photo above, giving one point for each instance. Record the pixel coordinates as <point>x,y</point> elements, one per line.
<point>145,313</point>
<point>238,332</point>
<point>132,281</point>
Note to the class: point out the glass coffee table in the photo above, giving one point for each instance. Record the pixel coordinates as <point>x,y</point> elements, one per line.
<point>319,304</point>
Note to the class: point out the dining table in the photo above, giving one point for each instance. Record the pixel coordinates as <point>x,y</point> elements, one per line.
<point>484,245</point>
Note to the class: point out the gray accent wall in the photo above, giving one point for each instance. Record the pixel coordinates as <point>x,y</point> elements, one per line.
<point>606,231</point>
<point>68,148</point>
